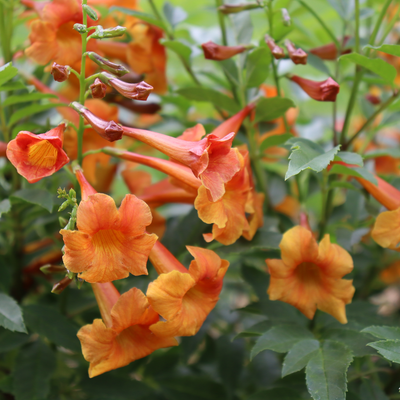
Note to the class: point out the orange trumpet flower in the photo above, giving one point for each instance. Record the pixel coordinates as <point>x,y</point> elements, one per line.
<point>309,275</point>
<point>184,298</point>
<point>123,334</point>
<point>213,51</point>
<point>38,156</point>
<point>321,91</point>
<point>110,243</point>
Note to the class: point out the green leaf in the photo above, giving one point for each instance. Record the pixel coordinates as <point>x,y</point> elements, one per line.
<point>275,140</point>
<point>317,63</point>
<point>392,49</point>
<point>255,330</point>
<point>343,185</point>
<point>349,158</point>
<point>299,355</point>
<point>11,86</point>
<point>343,7</point>
<point>173,14</point>
<point>308,155</point>
<point>212,96</point>
<point>7,72</point>
<point>5,206</point>
<point>392,152</point>
<point>33,369</point>
<point>48,322</point>
<point>11,340</point>
<point>25,98</point>
<point>10,314</point>
<point>257,67</point>
<point>31,110</point>
<point>358,172</point>
<point>390,349</point>
<point>271,108</point>
<point>231,70</point>
<point>141,15</point>
<point>376,65</point>
<point>179,48</point>
<point>280,339</point>
<point>369,390</point>
<point>277,394</point>
<point>326,372</point>
<point>39,197</point>
<point>383,332</point>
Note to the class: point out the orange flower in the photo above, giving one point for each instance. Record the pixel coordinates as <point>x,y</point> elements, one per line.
<point>184,297</point>
<point>3,149</point>
<point>109,243</point>
<point>309,276</point>
<point>213,51</point>
<point>329,51</point>
<point>391,274</point>
<point>123,334</point>
<point>321,91</point>
<point>37,156</point>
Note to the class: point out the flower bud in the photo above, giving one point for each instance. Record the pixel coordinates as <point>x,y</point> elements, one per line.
<point>98,89</point>
<point>236,8</point>
<point>102,33</point>
<point>285,17</point>
<point>90,12</point>
<point>320,91</point>
<point>329,51</point>
<point>60,286</point>
<point>109,66</point>
<point>80,28</point>
<point>276,51</point>
<point>373,99</point>
<point>213,51</point>
<point>60,72</point>
<point>108,130</point>
<point>52,269</point>
<point>298,56</point>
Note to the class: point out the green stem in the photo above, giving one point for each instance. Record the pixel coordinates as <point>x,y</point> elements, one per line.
<point>357,33</point>
<point>222,23</point>
<point>88,153</point>
<point>389,27</point>
<point>327,199</point>
<point>4,37</point>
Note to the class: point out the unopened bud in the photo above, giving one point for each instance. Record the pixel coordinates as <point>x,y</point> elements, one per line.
<point>108,130</point>
<point>102,33</point>
<point>72,194</point>
<point>373,99</point>
<point>109,66</point>
<point>236,8</point>
<point>80,28</point>
<point>320,91</point>
<point>285,17</point>
<point>276,51</point>
<point>90,12</point>
<point>298,56</point>
<point>60,72</point>
<point>213,51</point>
<point>60,286</point>
<point>98,89</point>
<point>52,269</point>
<point>63,206</point>
<point>329,51</point>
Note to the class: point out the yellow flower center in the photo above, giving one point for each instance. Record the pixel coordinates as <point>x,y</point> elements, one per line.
<point>42,154</point>
<point>308,274</point>
<point>108,242</point>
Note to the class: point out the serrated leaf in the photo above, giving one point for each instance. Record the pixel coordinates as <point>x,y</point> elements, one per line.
<point>271,108</point>
<point>326,372</point>
<point>308,155</point>
<point>211,96</point>
<point>299,355</point>
<point>25,98</point>
<point>274,140</point>
<point>358,172</point>
<point>390,349</point>
<point>5,206</point>
<point>280,339</point>
<point>349,158</point>
<point>11,340</point>
<point>257,67</point>
<point>141,15</point>
<point>7,72</point>
<point>174,14</point>
<point>31,110</point>
<point>11,314</point>
<point>376,65</point>
<point>383,332</point>
<point>39,197</point>
<point>392,49</point>
<point>392,152</point>
<point>48,322</point>
<point>33,368</point>
<point>179,48</point>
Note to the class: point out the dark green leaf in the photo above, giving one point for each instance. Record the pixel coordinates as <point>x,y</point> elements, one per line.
<point>326,372</point>
<point>276,394</point>
<point>369,390</point>
<point>349,158</point>
<point>376,65</point>
<point>392,152</point>
<point>257,67</point>
<point>141,15</point>
<point>179,48</point>
<point>255,330</point>
<point>299,355</point>
<point>274,140</point>
<point>5,206</point>
<point>11,340</point>
<point>383,332</point>
<point>162,363</point>
<point>39,197</point>
<point>173,14</point>
<point>10,314</point>
<point>358,172</point>
<point>212,96</point>
<point>48,322</point>
<point>25,98</point>
<point>31,110</point>
<point>7,72</point>
<point>271,108</point>
<point>392,49</point>
<point>390,349</point>
<point>34,366</point>
<point>344,185</point>
<point>280,339</point>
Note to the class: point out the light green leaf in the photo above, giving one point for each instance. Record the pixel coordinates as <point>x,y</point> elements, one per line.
<point>349,158</point>
<point>179,48</point>
<point>358,172</point>
<point>383,332</point>
<point>344,8</point>
<point>5,206</point>
<point>174,14</point>
<point>274,140</point>
<point>257,67</point>
<point>231,70</point>
<point>317,63</point>
<point>31,110</point>
<point>11,86</point>
<point>280,339</point>
<point>39,197</point>
<point>392,49</point>
<point>308,155</point>
<point>11,314</point>
<point>141,15</point>
<point>376,65</point>
<point>7,72</point>
<point>392,152</point>
<point>271,108</point>
<point>299,355</point>
<point>210,95</point>
<point>390,349</point>
<point>25,98</point>
<point>326,372</point>
<point>33,369</point>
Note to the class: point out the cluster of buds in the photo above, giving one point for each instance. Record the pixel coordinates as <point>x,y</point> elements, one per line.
<point>298,56</point>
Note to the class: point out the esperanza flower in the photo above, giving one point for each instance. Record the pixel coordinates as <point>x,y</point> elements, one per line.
<point>276,51</point>
<point>329,51</point>
<point>298,56</point>
<point>321,91</point>
<point>110,243</point>
<point>309,275</point>
<point>123,334</point>
<point>213,51</point>
<point>38,156</point>
<point>184,298</point>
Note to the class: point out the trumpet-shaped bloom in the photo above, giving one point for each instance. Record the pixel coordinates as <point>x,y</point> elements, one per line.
<point>298,56</point>
<point>213,51</point>
<point>110,243</point>
<point>123,335</point>
<point>37,156</point>
<point>321,91</point>
<point>184,298</point>
<point>329,51</point>
<point>309,275</point>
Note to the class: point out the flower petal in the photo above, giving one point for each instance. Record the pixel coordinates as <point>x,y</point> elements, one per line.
<point>135,215</point>
<point>386,231</point>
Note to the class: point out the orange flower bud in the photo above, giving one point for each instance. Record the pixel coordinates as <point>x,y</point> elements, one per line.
<point>298,56</point>
<point>213,51</point>
<point>60,72</point>
<point>3,148</point>
<point>329,51</point>
<point>60,286</point>
<point>320,91</point>
<point>276,51</point>
<point>98,89</point>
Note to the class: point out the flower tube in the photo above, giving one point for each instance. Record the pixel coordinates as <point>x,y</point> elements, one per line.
<point>320,91</point>
<point>213,51</point>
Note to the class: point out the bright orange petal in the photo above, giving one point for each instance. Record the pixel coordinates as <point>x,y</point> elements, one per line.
<point>135,215</point>
<point>386,231</point>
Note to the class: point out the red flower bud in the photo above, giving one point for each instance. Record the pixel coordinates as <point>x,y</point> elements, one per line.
<point>298,56</point>
<point>98,89</point>
<point>60,286</point>
<point>276,51</point>
<point>329,51</point>
<point>213,51</point>
<point>375,100</point>
<point>320,91</point>
<point>60,72</point>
